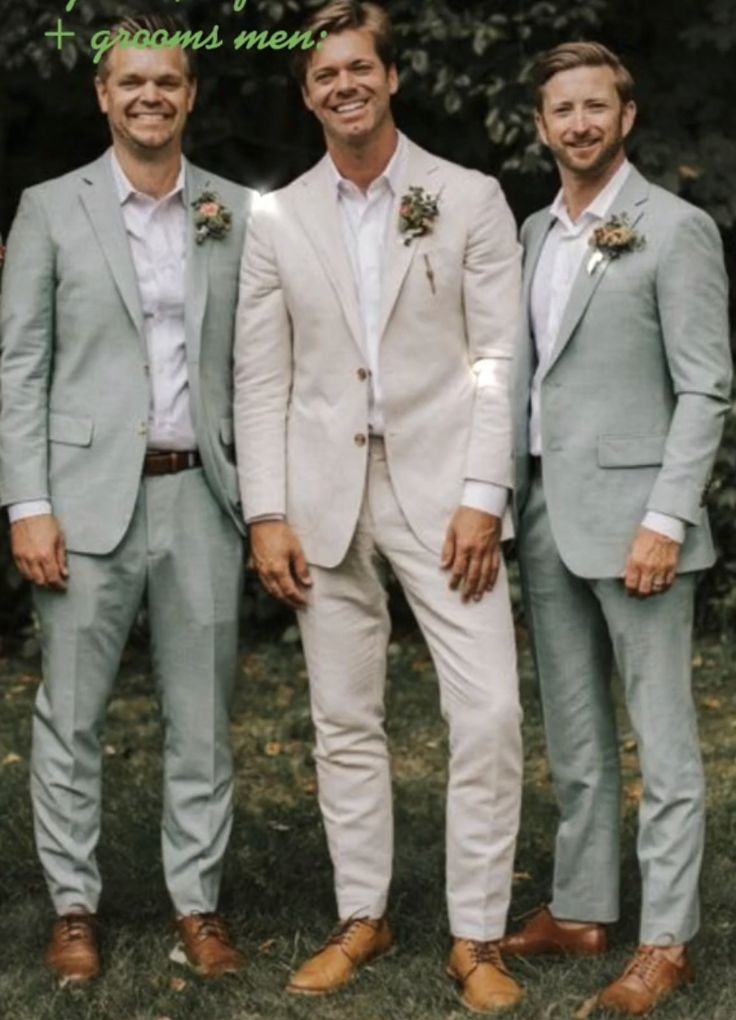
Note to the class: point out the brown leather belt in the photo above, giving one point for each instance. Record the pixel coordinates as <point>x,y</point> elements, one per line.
<point>168,462</point>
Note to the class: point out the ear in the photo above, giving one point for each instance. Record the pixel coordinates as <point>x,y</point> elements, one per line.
<point>393,80</point>
<point>628,117</point>
<point>101,90</point>
<point>541,127</point>
<point>307,100</point>
<point>192,95</point>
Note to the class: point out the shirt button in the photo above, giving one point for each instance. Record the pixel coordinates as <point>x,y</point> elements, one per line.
<point>360,439</point>
<point>362,374</point>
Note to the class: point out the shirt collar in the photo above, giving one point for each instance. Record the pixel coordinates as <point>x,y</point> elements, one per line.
<point>600,205</point>
<point>126,190</point>
<point>391,173</point>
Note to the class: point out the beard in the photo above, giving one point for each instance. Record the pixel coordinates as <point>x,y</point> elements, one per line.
<point>602,162</point>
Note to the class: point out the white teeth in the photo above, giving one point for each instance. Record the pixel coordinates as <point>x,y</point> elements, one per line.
<point>350,107</point>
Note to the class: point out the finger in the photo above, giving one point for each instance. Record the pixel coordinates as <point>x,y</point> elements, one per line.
<point>36,572</point>
<point>645,585</point>
<point>288,591</point>
<point>301,570</point>
<point>61,557</point>
<point>448,549</point>
<point>631,578</point>
<point>495,567</point>
<point>472,581</point>
<point>459,565</point>
<point>485,582</point>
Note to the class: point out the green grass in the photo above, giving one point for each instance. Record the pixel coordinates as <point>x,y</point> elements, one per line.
<point>277,892</point>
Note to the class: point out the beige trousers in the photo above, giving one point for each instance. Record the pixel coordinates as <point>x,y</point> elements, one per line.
<point>345,632</point>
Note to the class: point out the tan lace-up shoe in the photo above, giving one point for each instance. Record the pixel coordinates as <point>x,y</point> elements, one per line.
<point>72,953</point>
<point>485,984</point>
<point>647,979</point>
<point>352,944</point>
<point>542,934</point>
<point>206,946</point>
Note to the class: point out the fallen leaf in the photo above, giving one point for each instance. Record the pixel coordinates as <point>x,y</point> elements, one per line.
<point>522,876</point>
<point>110,751</point>
<point>309,786</point>
<point>629,745</point>
<point>267,946</point>
<point>587,1008</point>
<point>11,759</point>
<point>697,661</point>
<point>177,984</point>
<point>273,749</point>
<point>712,703</point>
<point>279,827</point>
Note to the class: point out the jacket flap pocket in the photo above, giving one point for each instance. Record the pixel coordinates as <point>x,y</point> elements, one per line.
<point>630,451</point>
<point>226,431</point>
<point>67,428</point>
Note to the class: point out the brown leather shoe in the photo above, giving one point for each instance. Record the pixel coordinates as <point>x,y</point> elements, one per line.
<point>647,979</point>
<point>206,946</point>
<point>542,934</point>
<point>72,952</point>
<point>485,984</point>
<point>352,944</point>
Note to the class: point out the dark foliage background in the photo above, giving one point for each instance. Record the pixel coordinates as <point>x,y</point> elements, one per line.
<point>464,70</point>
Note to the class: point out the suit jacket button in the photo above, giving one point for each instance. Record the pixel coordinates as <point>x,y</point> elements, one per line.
<point>362,374</point>
<point>360,439</point>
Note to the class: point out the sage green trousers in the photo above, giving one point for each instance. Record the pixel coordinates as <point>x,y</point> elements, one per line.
<point>579,629</point>
<point>184,556</point>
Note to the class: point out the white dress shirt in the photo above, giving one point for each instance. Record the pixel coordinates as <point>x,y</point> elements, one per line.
<point>563,251</point>
<point>365,218</point>
<point>156,230</point>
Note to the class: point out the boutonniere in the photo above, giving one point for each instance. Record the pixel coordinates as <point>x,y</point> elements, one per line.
<point>614,238</point>
<point>417,212</point>
<point>212,218</point>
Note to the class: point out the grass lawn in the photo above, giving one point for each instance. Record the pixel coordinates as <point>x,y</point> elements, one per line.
<point>277,893</point>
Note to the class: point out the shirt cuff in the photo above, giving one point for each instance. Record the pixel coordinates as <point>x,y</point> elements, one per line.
<point>485,496</point>
<point>265,517</point>
<point>28,508</point>
<point>665,524</point>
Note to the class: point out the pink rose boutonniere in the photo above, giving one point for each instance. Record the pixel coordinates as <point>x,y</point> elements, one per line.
<point>613,239</point>
<point>212,218</point>
<point>417,212</point>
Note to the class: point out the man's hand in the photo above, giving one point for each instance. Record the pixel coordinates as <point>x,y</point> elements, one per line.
<point>278,558</point>
<point>39,551</point>
<point>651,566</point>
<point>471,552</point>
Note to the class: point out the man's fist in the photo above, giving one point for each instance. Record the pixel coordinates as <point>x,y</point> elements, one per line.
<point>39,551</point>
<point>651,566</point>
<point>277,556</point>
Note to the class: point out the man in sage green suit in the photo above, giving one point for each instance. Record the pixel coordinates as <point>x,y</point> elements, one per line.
<point>116,463</point>
<point>622,384</point>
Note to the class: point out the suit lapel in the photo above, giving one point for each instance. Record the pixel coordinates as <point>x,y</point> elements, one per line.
<point>318,212</point>
<point>630,200</point>
<point>420,170</point>
<point>197,266</point>
<point>102,203</point>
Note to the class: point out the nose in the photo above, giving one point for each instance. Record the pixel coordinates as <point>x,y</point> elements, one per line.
<point>345,81</point>
<point>580,120</point>
<point>149,93</point>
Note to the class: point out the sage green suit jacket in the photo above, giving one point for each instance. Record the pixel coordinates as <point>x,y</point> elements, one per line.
<point>74,375</point>
<point>635,396</point>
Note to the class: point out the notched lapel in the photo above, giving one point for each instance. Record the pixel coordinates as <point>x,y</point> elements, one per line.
<point>197,267</point>
<point>418,172</point>
<point>630,201</point>
<point>317,210</point>
<point>102,204</point>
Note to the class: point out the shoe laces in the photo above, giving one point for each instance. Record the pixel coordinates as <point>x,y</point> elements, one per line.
<point>75,927</point>
<point>645,965</point>
<point>212,926</point>
<point>345,931</point>
<point>486,952</point>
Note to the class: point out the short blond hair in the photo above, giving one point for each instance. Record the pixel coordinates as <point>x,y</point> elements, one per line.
<point>343,16</point>
<point>580,54</point>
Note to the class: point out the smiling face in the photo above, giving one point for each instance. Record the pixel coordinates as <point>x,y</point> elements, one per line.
<point>584,122</point>
<point>147,96</point>
<point>349,89</point>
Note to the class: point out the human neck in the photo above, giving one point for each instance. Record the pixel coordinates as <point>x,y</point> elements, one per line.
<point>580,190</point>
<point>155,177</point>
<point>362,164</point>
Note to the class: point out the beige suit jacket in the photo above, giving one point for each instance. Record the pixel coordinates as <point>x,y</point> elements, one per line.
<point>301,388</point>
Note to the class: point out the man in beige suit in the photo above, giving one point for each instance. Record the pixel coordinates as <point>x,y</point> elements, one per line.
<point>378,307</point>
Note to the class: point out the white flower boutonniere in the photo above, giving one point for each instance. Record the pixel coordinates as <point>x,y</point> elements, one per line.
<point>212,218</point>
<point>417,212</point>
<point>614,238</point>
